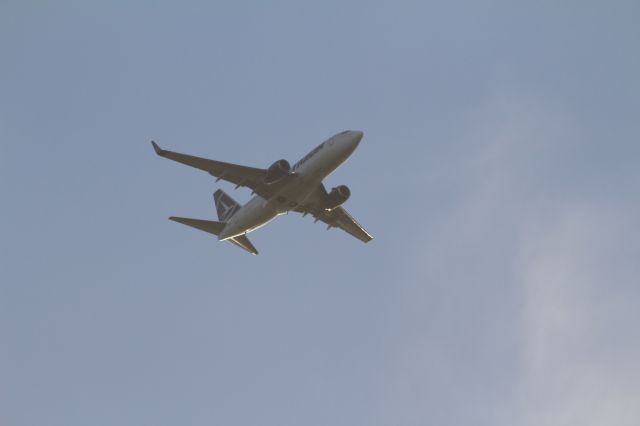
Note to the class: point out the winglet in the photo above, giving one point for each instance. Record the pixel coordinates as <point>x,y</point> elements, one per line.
<point>158,150</point>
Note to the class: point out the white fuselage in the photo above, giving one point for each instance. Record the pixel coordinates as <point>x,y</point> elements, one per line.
<point>308,173</point>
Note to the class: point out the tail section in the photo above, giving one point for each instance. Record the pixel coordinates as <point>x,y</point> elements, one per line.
<point>216,228</point>
<point>204,225</point>
<point>225,205</point>
<point>243,242</point>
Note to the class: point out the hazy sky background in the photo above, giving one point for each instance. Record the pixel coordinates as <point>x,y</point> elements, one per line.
<point>498,172</point>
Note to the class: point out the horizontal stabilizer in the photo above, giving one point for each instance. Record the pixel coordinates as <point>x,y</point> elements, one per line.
<point>216,228</point>
<point>243,242</point>
<point>209,226</point>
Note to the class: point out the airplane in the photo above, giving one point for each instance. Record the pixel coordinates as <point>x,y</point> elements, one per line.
<point>278,190</point>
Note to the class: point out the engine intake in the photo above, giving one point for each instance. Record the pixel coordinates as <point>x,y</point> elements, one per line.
<point>277,171</point>
<point>336,197</point>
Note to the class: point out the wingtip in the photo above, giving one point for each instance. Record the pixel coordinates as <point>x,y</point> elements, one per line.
<point>156,148</point>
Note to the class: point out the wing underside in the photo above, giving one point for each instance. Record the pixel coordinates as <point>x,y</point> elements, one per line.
<point>250,177</point>
<point>336,218</point>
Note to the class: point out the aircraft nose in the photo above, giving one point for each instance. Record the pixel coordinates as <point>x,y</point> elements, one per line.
<point>355,138</point>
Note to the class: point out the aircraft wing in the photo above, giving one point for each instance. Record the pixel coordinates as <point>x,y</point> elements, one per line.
<point>336,218</point>
<point>340,218</point>
<point>250,177</point>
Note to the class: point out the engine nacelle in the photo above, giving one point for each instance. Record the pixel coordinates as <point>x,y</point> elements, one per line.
<point>277,171</point>
<point>336,197</point>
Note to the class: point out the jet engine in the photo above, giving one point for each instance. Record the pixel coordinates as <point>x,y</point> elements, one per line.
<point>277,171</point>
<point>336,197</point>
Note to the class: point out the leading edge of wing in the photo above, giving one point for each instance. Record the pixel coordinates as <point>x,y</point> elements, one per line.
<point>251,177</point>
<point>213,167</point>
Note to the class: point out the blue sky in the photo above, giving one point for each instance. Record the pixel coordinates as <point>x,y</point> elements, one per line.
<point>498,173</point>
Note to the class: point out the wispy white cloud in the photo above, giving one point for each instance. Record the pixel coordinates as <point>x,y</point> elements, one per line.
<point>518,308</point>
<point>580,320</point>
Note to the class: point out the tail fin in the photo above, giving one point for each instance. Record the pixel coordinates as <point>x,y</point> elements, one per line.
<point>225,205</point>
<point>215,228</point>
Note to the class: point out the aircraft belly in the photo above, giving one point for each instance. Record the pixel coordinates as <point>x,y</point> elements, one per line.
<point>251,216</point>
<point>256,217</point>
<point>294,194</point>
<point>260,223</point>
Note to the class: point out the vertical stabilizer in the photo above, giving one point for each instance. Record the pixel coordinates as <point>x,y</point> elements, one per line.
<point>225,205</point>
